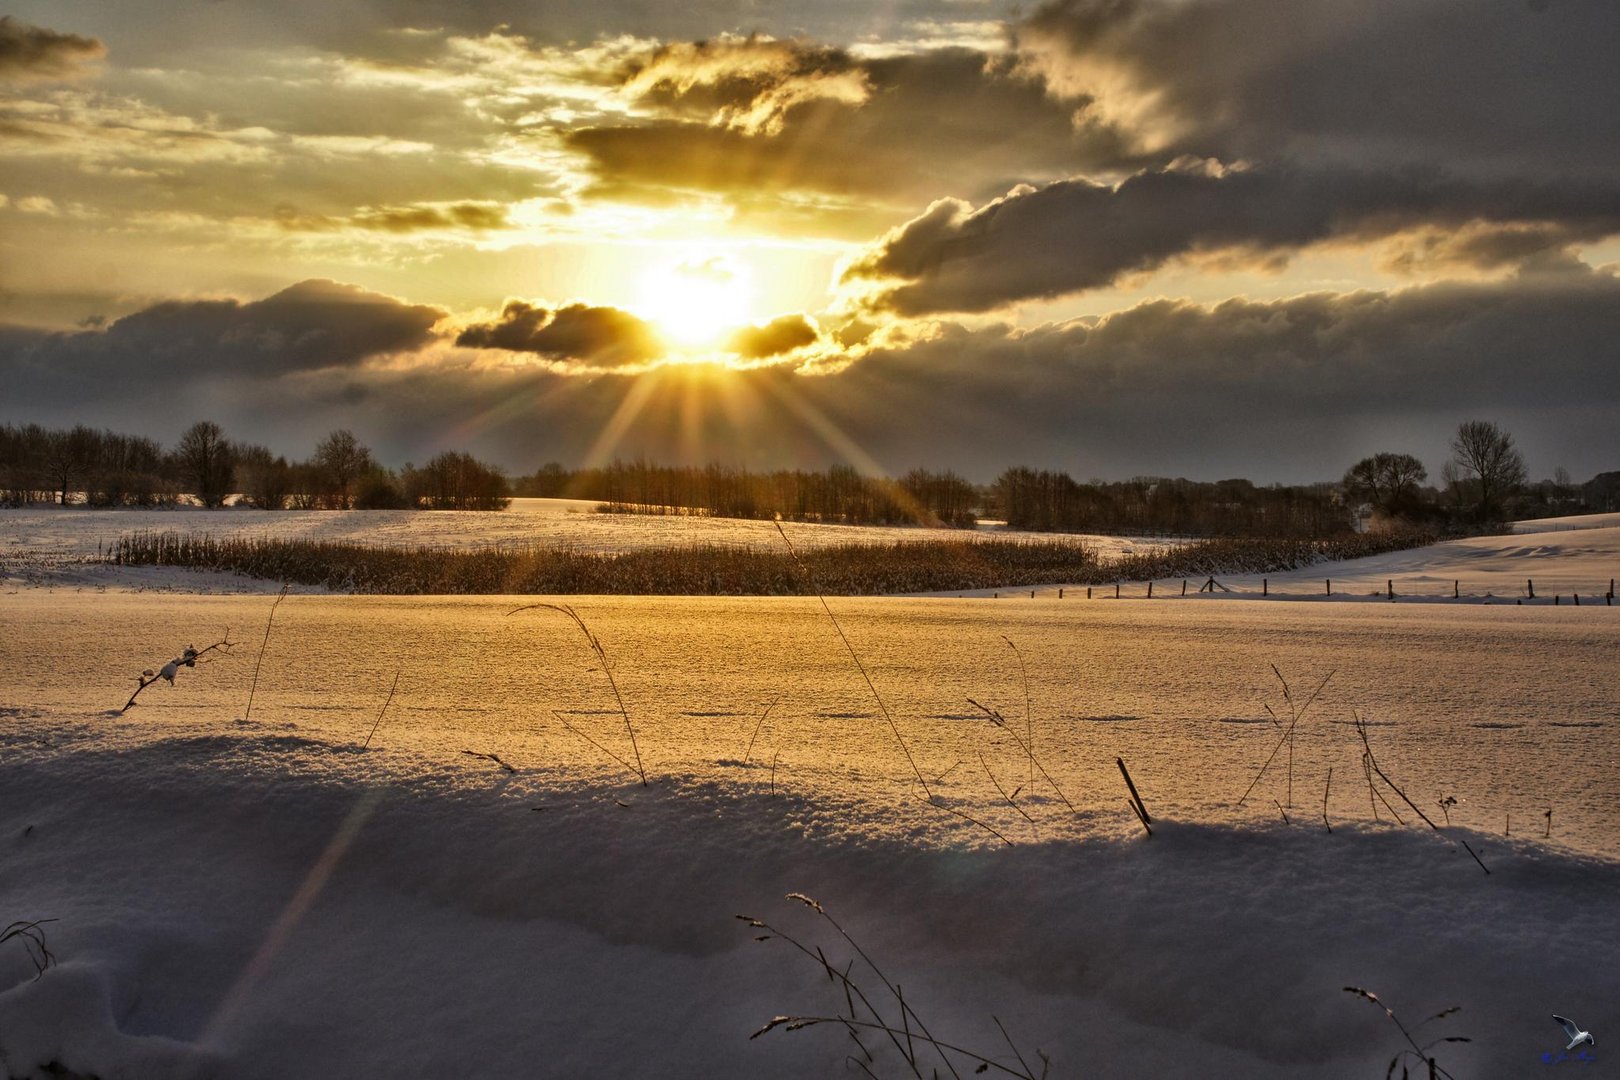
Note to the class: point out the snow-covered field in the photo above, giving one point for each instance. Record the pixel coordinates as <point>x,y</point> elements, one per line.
<point>259,894</point>
<point>57,546</point>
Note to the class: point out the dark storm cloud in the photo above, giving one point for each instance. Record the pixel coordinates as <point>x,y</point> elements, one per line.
<point>1495,87</point>
<point>1290,390</point>
<point>1076,235</point>
<point>742,118</point>
<point>35,54</point>
<point>780,335</point>
<point>597,337</point>
<point>312,325</point>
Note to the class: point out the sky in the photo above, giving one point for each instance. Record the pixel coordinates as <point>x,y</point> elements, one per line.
<point>1200,238</point>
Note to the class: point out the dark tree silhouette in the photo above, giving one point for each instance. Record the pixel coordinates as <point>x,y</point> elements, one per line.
<point>1390,482</point>
<point>1486,464</point>
<point>341,460</point>
<point>206,459</point>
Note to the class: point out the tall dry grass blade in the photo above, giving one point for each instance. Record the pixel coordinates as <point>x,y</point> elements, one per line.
<point>263,645</point>
<point>367,744</point>
<point>1287,736</point>
<point>750,751</point>
<point>893,727</point>
<point>1001,722</point>
<point>991,829</point>
<point>1029,723</point>
<point>607,669</point>
<point>1361,729</point>
<point>1325,789</point>
<point>631,769</point>
<point>1003,791</point>
<point>871,964</point>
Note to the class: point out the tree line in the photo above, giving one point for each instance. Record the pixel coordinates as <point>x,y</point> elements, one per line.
<point>1484,482</point>
<point>109,468</point>
<point>836,495</point>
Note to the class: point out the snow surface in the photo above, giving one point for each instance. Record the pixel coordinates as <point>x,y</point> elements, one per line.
<point>57,546</point>
<point>254,894</point>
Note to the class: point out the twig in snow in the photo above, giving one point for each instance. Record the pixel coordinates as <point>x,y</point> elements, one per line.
<point>892,1017</point>
<point>1421,1052</point>
<point>1141,807</point>
<point>491,757</point>
<point>187,659</point>
<point>33,942</point>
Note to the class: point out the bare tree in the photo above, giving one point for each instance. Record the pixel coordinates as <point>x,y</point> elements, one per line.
<point>341,461</point>
<point>1485,457</point>
<point>69,457</point>
<point>206,459</point>
<point>265,478</point>
<point>1388,481</point>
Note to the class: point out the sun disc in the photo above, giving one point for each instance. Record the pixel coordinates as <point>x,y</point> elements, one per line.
<point>696,301</point>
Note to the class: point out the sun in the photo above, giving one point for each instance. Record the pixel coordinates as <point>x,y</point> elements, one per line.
<point>695,301</point>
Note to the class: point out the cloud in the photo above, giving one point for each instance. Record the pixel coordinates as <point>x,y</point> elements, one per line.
<point>1167,387</point>
<point>748,84</point>
<point>1070,236</point>
<point>1521,88</point>
<point>30,54</point>
<point>751,119</point>
<point>309,326</point>
<point>451,217</point>
<point>781,335</point>
<point>600,338</point>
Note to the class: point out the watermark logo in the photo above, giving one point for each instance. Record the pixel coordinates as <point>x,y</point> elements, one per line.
<point>1577,1037</point>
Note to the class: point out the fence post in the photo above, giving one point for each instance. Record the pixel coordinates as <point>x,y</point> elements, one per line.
<point>1265,587</point>
<point>1391,588</point>
<point>1150,590</point>
<point>1088,592</point>
<point>1330,586</point>
<point>1060,594</point>
<point>1455,592</point>
<point>1183,586</point>
<point>1116,590</point>
<point>1530,586</point>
